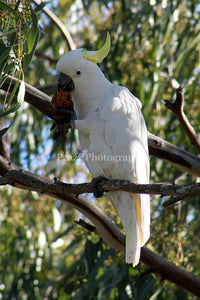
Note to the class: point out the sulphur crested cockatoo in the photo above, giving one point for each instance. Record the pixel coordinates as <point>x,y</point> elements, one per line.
<point>113,136</point>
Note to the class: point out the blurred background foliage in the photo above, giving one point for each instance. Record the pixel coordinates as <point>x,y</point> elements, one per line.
<point>155,47</point>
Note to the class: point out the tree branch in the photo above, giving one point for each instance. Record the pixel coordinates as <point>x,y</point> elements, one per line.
<point>33,96</point>
<point>160,265</point>
<point>41,54</point>
<point>3,149</point>
<point>177,108</point>
<point>60,25</point>
<point>23,178</point>
<point>48,89</point>
<point>174,155</point>
<point>158,147</point>
<point>104,226</point>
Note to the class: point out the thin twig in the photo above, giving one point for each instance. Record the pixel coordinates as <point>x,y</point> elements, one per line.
<point>86,225</point>
<point>60,25</point>
<point>177,108</point>
<point>41,54</point>
<point>173,200</point>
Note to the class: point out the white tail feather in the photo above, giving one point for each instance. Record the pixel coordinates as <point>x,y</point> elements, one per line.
<point>136,224</point>
<point>132,246</point>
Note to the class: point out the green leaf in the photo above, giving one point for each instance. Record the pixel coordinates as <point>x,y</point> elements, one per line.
<point>10,68</point>
<point>100,261</point>
<point>13,92</point>
<point>4,130</point>
<point>144,288</point>
<point>21,93</point>
<point>20,99</point>
<point>31,33</point>
<point>27,58</point>
<point>4,52</point>
<point>155,294</point>
<point>7,7</point>
<point>10,111</point>
<point>32,38</point>
<point>40,7</point>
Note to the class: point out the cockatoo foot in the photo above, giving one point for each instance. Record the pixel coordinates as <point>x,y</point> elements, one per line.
<point>96,188</point>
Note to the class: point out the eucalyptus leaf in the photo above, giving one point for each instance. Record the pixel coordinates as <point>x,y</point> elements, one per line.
<point>28,57</point>
<point>31,33</point>
<point>5,6</point>
<point>13,93</point>
<point>4,130</point>
<point>21,93</point>
<point>9,111</point>
<point>4,52</point>
<point>40,7</point>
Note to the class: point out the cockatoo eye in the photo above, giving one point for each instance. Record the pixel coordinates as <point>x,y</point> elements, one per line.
<point>78,73</point>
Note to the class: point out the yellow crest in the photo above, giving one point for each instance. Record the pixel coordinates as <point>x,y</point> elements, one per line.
<point>99,55</point>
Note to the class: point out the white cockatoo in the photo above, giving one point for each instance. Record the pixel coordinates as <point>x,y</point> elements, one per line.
<point>113,135</point>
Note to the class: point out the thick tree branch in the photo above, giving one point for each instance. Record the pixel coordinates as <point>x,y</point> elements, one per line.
<point>48,89</point>
<point>177,108</point>
<point>23,178</point>
<point>104,226</point>
<point>174,155</point>
<point>158,147</point>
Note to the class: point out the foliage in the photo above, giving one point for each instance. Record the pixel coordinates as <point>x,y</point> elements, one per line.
<point>155,45</point>
<point>19,36</point>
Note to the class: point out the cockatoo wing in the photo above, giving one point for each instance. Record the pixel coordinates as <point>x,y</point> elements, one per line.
<point>126,136</point>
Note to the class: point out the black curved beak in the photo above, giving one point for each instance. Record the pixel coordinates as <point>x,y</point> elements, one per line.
<point>65,83</point>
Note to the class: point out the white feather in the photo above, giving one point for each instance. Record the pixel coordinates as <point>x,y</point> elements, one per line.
<point>113,134</point>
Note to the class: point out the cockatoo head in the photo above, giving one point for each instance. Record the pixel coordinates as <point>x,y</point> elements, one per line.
<point>79,72</point>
